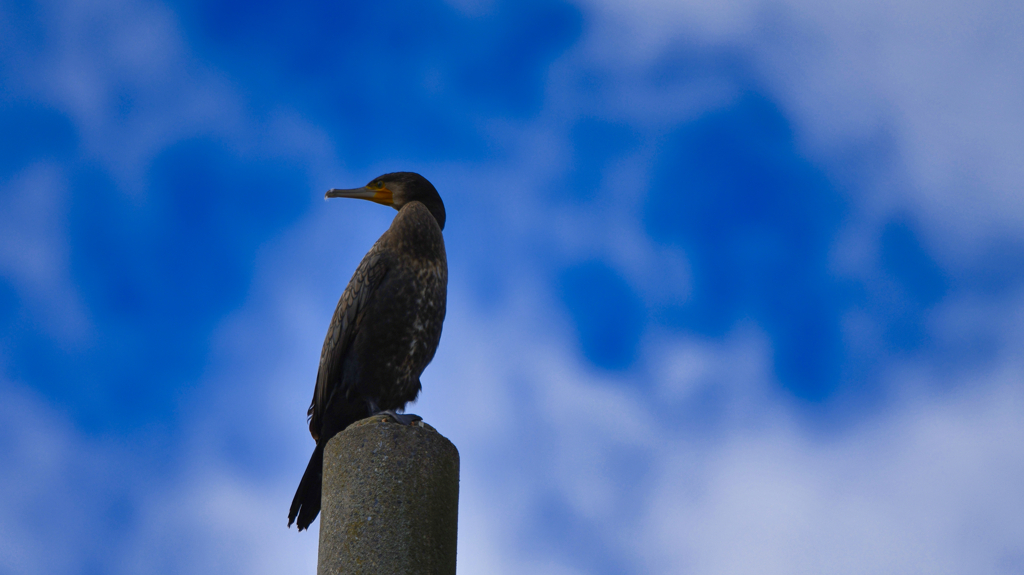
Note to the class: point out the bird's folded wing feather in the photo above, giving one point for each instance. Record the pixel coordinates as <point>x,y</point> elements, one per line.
<point>344,326</point>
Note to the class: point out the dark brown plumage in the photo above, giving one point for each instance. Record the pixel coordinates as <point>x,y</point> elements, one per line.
<point>386,327</point>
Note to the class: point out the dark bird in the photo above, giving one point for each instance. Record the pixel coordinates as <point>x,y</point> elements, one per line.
<point>386,327</point>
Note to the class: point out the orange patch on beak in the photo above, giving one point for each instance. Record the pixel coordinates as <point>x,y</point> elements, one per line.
<point>383,196</point>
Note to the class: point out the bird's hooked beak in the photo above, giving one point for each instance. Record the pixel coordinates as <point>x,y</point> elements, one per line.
<point>380,195</point>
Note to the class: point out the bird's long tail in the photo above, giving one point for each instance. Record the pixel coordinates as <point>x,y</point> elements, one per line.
<point>306,503</point>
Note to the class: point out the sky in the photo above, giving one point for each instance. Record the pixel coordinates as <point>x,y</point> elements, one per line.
<point>734,287</point>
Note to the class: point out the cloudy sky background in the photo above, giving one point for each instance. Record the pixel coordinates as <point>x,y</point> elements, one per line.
<point>736,287</point>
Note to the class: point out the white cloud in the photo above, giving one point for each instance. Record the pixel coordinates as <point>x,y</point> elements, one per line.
<point>52,482</point>
<point>34,251</point>
<point>937,82</point>
<point>928,483</point>
<point>930,486</point>
<point>217,522</point>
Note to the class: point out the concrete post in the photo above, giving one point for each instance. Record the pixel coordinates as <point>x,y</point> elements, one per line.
<point>390,500</point>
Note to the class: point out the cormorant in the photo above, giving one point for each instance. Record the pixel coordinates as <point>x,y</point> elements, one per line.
<point>386,327</point>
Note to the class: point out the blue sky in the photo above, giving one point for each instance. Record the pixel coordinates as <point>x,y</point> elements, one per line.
<point>734,287</point>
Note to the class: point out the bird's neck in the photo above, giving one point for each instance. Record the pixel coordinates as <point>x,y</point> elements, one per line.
<point>415,232</point>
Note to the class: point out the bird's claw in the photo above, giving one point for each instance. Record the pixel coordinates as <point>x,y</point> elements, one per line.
<point>403,418</point>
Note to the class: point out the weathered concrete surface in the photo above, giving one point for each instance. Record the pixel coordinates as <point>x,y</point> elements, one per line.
<point>390,500</point>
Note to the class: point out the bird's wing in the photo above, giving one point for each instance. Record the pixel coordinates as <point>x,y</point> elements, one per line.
<point>358,294</point>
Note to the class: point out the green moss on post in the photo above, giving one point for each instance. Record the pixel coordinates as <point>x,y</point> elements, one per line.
<point>390,500</point>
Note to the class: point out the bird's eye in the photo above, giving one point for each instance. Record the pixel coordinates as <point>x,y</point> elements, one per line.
<point>378,184</point>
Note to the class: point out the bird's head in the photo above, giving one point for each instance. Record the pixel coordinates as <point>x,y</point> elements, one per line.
<point>396,190</point>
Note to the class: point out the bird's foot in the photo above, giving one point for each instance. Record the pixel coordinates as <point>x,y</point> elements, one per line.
<point>403,418</point>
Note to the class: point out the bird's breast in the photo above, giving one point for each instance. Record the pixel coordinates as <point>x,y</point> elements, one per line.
<point>415,314</point>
